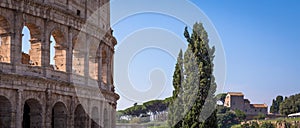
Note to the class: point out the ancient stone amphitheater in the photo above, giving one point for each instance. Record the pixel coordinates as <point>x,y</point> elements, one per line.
<point>77,91</point>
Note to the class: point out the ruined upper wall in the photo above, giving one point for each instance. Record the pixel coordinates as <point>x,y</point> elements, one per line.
<point>74,13</point>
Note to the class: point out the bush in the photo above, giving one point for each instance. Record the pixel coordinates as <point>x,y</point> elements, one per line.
<point>267,125</point>
<point>260,116</point>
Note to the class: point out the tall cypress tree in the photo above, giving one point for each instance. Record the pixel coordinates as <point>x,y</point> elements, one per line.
<point>276,104</point>
<point>198,84</point>
<point>175,109</point>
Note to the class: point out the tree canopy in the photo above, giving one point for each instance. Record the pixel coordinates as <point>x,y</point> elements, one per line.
<point>290,105</point>
<point>276,104</point>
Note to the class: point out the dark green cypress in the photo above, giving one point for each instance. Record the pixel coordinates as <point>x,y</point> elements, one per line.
<point>175,109</point>
<point>193,98</point>
<point>203,100</point>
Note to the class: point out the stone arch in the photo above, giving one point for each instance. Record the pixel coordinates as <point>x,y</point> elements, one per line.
<point>32,114</point>
<point>104,63</point>
<point>80,117</point>
<point>93,58</point>
<point>35,52</point>
<point>5,112</point>
<point>5,40</point>
<point>95,122</point>
<point>59,115</point>
<point>60,47</point>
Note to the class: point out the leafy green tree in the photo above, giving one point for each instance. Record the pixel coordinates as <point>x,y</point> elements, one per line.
<point>227,119</point>
<point>155,106</point>
<point>240,115</point>
<point>221,97</point>
<point>290,105</point>
<point>276,104</point>
<point>260,116</point>
<point>222,109</point>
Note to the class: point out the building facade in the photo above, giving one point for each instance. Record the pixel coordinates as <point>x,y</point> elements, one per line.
<point>236,101</point>
<point>76,91</point>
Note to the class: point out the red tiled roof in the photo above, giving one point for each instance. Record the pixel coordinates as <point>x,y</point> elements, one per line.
<point>259,105</point>
<point>235,93</point>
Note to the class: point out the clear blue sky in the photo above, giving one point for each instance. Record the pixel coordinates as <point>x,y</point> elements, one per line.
<point>262,45</point>
<point>261,40</point>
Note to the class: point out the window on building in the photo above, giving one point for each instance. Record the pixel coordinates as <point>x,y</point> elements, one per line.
<point>78,12</point>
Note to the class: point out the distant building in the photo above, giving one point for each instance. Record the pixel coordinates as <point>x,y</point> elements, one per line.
<point>236,101</point>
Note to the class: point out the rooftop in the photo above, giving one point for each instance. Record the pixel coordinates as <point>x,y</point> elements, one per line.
<point>259,105</point>
<point>236,93</point>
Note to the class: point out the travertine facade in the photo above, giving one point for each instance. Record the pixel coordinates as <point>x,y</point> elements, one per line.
<point>76,92</point>
<point>236,101</point>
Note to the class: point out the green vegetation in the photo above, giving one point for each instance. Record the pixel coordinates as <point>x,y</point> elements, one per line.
<point>290,105</point>
<point>194,84</point>
<point>228,118</point>
<point>221,97</point>
<point>153,106</point>
<point>273,123</point>
<point>275,104</point>
<point>175,110</point>
<point>260,116</point>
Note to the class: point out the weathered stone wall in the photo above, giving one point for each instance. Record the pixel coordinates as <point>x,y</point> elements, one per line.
<point>79,90</point>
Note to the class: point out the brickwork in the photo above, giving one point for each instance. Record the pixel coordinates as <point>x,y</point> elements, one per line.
<point>78,90</point>
<point>236,101</point>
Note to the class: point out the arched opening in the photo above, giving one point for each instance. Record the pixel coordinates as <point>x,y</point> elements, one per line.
<point>52,52</point>
<point>58,49</point>
<point>32,114</point>
<point>5,40</point>
<point>25,46</point>
<point>80,119</point>
<point>78,56</point>
<point>104,64</point>
<point>31,45</point>
<point>59,116</point>
<point>93,59</point>
<point>95,118</point>
<point>5,112</point>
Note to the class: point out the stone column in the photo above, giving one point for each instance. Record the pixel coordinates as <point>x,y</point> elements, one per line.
<point>69,54</point>
<point>100,66</point>
<point>48,109</point>
<point>71,112</point>
<point>108,61</point>
<point>45,46</point>
<point>16,41</point>
<point>86,59</point>
<point>19,114</point>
